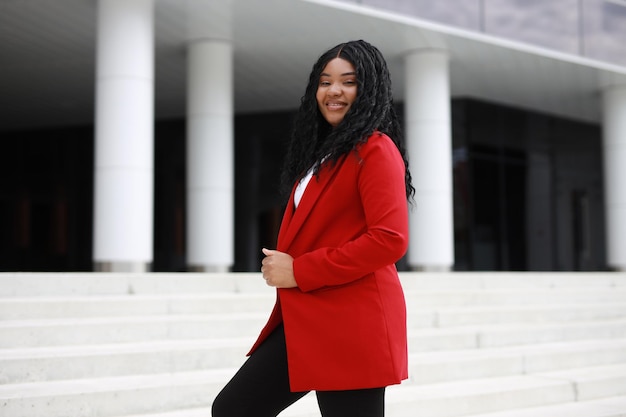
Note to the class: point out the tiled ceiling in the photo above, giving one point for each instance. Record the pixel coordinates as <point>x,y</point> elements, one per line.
<point>47,58</point>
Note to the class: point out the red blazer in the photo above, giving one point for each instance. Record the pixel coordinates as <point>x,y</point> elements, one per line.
<point>345,323</point>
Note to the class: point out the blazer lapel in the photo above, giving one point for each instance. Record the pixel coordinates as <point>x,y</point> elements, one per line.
<point>295,218</point>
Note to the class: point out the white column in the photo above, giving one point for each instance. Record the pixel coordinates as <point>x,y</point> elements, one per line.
<point>123,206</point>
<point>428,134</point>
<point>210,141</point>
<point>614,144</point>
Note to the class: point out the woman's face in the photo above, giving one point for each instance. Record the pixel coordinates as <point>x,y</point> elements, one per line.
<point>337,90</point>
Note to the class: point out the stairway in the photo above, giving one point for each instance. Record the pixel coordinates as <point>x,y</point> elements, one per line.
<point>163,345</point>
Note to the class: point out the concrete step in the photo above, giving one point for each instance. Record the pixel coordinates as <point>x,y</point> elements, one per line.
<point>16,284</point>
<point>102,330</point>
<point>476,315</point>
<point>497,394</point>
<point>161,356</point>
<point>22,308</point>
<point>417,297</point>
<point>108,397</point>
<point>114,396</point>
<point>99,330</point>
<point>17,308</point>
<point>605,407</point>
<point>469,398</point>
<point>187,412</point>
<point>67,362</point>
<point>162,345</point>
<point>443,366</point>
<point>28,284</point>
<point>475,337</point>
<point>503,297</point>
<point>593,382</point>
<point>508,280</point>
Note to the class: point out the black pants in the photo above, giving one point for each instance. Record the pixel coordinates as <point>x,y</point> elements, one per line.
<point>261,389</point>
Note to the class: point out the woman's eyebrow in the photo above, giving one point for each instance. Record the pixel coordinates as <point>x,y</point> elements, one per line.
<point>342,75</point>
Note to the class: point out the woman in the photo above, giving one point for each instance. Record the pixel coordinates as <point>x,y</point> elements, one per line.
<point>339,323</point>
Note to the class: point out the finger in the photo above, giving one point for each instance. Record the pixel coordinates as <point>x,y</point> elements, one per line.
<point>267,252</point>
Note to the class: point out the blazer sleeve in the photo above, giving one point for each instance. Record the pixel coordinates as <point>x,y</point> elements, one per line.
<point>381,187</point>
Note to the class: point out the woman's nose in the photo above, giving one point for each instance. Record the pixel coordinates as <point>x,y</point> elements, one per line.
<point>334,89</point>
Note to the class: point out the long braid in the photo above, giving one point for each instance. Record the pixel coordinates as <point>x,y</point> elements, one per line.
<point>313,139</point>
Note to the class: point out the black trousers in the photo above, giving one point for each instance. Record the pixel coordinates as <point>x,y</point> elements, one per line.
<point>261,389</point>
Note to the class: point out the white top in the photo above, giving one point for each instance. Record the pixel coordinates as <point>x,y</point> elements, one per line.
<point>297,196</point>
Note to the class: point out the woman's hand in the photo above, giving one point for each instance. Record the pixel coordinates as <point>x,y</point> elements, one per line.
<point>277,269</point>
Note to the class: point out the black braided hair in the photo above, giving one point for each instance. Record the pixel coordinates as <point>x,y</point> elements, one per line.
<point>312,138</point>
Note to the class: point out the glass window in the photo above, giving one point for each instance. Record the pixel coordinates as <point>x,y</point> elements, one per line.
<point>527,190</point>
<point>464,14</point>
<point>604,30</point>
<point>552,24</point>
<point>592,28</point>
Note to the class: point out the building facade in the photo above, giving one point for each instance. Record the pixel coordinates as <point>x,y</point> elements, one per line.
<point>148,134</point>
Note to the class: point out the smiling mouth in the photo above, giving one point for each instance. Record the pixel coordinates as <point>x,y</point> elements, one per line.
<point>335,106</point>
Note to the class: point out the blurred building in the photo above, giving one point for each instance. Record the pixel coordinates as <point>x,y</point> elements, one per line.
<point>148,134</point>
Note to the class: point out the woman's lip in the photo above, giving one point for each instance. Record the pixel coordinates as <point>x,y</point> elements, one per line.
<point>335,105</point>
